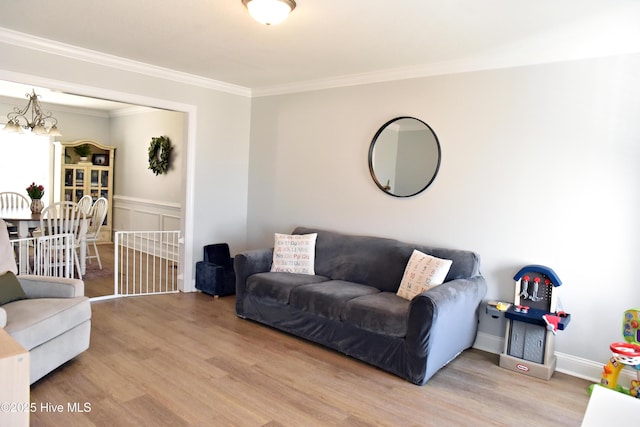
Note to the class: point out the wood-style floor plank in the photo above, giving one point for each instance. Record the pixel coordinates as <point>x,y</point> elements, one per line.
<point>187,360</point>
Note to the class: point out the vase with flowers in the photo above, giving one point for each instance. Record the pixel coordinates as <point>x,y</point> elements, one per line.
<point>36,192</point>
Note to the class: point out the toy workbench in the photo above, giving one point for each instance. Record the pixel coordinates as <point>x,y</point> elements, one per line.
<point>532,323</point>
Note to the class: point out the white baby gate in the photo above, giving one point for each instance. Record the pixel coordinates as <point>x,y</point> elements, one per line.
<point>24,251</point>
<point>52,256</point>
<point>146,262</point>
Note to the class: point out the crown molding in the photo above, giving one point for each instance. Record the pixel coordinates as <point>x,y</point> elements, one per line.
<point>466,65</point>
<point>81,54</point>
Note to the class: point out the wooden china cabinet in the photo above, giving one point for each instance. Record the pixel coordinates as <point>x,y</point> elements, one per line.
<point>91,175</point>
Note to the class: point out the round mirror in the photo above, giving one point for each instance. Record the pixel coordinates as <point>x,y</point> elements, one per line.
<point>404,157</point>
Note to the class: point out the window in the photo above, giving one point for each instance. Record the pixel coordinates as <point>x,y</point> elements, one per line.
<point>25,158</point>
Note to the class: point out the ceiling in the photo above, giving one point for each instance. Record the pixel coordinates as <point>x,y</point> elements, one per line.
<point>333,40</point>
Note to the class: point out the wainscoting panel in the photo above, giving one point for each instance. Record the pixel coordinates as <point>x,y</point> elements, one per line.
<point>170,222</point>
<point>145,230</point>
<point>144,220</point>
<point>135,214</point>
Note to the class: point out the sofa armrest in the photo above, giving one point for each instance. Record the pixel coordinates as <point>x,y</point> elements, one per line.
<point>3,318</point>
<point>247,263</point>
<point>443,321</point>
<point>51,287</point>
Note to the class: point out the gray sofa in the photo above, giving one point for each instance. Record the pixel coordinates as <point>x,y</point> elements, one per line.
<point>54,321</point>
<point>350,304</point>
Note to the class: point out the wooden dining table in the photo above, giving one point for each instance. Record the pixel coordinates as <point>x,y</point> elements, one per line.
<point>24,219</point>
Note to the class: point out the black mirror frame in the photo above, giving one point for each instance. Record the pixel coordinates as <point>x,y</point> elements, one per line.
<point>372,146</point>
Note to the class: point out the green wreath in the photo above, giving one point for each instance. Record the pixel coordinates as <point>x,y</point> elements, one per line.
<point>159,154</point>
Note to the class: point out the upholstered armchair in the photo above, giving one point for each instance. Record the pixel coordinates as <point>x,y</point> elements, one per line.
<point>49,316</point>
<point>215,275</point>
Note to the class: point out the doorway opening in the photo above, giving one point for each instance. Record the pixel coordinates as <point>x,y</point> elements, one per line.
<point>145,210</point>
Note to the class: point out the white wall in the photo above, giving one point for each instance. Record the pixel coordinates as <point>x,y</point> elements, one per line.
<point>539,166</point>
<point>214,200</point>
<point>131,135</point>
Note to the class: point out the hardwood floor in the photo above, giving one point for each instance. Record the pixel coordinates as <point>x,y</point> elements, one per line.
<point>100,282</point>
<point>187,360</point>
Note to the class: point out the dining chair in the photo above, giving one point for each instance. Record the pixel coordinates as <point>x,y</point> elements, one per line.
<point>97,215</point>
<point>84,204</point>
<point>13,200</point>
<point>63,218</point>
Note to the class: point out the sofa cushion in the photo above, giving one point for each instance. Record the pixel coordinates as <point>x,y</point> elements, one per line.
<point>422,273</point>
<point>294,253</point>
<point>383,313</point>
<point>10,289</point>
<point>327,298</point>
<point>278,286</point>
<point>32,322</point>
<point>367,260</point>
<point>377,261</point>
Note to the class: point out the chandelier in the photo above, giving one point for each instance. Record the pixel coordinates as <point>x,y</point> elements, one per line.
<point>269,12</point>
<point>40,123</point>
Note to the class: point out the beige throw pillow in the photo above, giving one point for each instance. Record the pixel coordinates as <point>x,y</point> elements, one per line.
<point>294,253</point>
<point>422,273</point>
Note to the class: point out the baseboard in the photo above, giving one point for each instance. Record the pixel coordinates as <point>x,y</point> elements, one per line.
<point>567,364</point>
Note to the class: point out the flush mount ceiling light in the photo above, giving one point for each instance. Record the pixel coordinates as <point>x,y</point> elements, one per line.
<point>269,12</point>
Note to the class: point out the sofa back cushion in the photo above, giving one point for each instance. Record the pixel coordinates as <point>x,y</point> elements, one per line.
<point>378,261</point>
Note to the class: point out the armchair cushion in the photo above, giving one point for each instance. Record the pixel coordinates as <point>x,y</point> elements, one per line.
<point>51,287</point>
<point>32,322</point>
<point>54,321</point>
<point>10,289</point>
